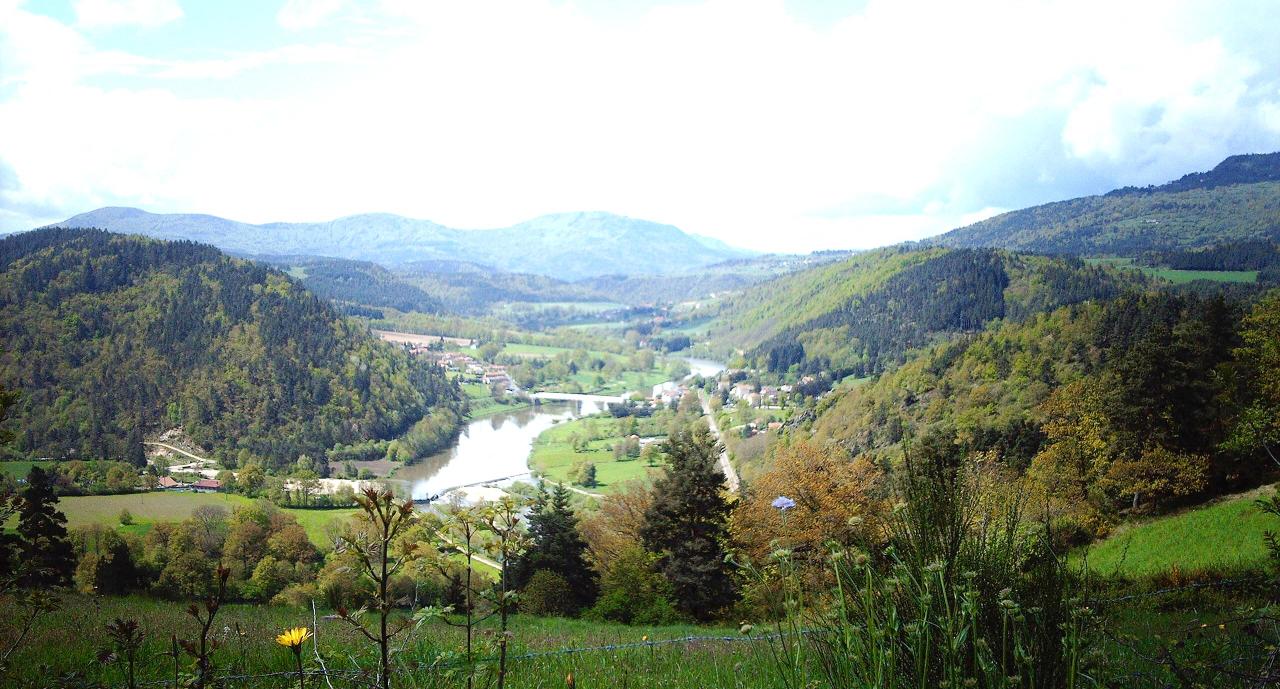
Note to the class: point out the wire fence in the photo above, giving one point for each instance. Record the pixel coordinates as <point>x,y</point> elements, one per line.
<point>480,661</point>
<point>1244,652</point>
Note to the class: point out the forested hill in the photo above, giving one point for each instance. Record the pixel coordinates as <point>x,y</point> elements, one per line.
<point>110,337</point>
<point>1162,394</point>
<point>862,315</point>
<point>1239,200</point>
<point>568,246</point>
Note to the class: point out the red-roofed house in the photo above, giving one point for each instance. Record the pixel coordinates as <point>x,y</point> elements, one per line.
<point>207,485</point>
<point>167,483</point>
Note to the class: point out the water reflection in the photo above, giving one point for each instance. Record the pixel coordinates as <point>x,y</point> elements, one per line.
<point>489,449</point>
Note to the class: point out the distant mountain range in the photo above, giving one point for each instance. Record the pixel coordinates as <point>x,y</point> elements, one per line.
<point>1239,200</point>
<point>568,245</point>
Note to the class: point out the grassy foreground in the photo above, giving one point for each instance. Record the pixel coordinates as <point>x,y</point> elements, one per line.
<point>69,640</point>
<point>1225,535</point>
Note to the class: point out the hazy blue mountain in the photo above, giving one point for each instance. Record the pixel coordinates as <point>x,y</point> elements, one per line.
<point>1239,200</point>
<point>565,245</point>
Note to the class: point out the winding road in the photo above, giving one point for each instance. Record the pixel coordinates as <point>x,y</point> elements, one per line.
<point>730,474</point>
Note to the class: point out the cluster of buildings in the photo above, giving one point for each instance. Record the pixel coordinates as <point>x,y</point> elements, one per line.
<point>766,396</point>
<point>204,485</point>
<point>668,392</point>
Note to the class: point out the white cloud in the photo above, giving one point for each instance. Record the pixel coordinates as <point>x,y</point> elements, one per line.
<point>727,118</point>
<point>109,13</point>
<point>296,15</point>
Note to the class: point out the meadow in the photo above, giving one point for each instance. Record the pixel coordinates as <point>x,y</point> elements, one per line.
<point>70,640</point>
<point>553,455</point>
<point>1224,535</point>
<point>149,508</point>
<point>20,468</point>
<point>483,403</point>
<point>1180,277</point>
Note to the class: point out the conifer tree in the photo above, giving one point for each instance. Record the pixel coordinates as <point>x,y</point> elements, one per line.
<point>686,526</point>
<point>558,547</point>
<point>47,555</point>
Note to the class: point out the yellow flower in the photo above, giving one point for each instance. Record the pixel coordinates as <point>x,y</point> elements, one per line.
<point>293,638</point>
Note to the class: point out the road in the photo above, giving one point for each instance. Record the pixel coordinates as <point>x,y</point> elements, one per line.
<point>730,474</point>
<point>179,451</point>
<point>582,492</point>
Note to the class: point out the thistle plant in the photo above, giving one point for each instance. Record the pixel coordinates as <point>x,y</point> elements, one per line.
<point>375,542</point>
<point>201,649</point>
<point>126,640</point>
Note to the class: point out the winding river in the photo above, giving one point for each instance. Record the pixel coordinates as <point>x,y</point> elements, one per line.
<point>495,449</point>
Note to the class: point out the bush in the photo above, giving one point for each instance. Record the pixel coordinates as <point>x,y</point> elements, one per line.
<point>126,517</point>
<point>587,475</point>
<point>631,592</point>
<point>547,593</point>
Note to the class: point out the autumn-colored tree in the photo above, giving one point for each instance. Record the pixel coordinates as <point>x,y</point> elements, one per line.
<point>616,524</point>
<point>836,500</point>
<point>1079,442</point>
<point>1155,478</point>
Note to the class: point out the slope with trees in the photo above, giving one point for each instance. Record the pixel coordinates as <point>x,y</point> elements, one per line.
<point>863,315</point>
<point>1239,200</point>
<point>111,337</point>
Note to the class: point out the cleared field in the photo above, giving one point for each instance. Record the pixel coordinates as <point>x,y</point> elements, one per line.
<point>1179,277</point>
<point>21,468</point>
<point>416,339</point>
<point>1225,534</point>
<point>554,457</point>
<point>149,508</point>
<point>483,404</point>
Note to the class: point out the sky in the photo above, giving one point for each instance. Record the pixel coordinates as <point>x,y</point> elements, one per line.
<point>774,125</point>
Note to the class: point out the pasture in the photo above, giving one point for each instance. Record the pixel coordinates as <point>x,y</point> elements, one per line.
<point>149,508</point>
<point>1223,535</point>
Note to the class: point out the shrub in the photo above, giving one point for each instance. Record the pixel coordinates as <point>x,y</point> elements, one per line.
<point>126,517</point>
<point>546,594</point>
<point>631,592</point>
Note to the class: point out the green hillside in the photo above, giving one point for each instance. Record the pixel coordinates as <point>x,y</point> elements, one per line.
<point>1239,200</point>
<point>862,315</point>
<point>111,337</point>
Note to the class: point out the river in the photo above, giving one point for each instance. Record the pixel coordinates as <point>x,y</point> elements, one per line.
<point>490,449</point>
<point>496,448</point>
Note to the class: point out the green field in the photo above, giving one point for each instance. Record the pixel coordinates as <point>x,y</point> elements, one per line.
<point>20,469</point>
<point>149,508</point>
<point>1227,534</point>
<point>71,638</point>
<point>554,458</point>
<point>1179,277</point>
<point>483,404</point>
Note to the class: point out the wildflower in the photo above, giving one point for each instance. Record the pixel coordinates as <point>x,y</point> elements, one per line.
<point>745,629</point>
<point>568,681</point>
<point>293,638</point>
<point>645,638</point>
<point>855,521</point>
<point>783,503</point>
<point>933,567</point>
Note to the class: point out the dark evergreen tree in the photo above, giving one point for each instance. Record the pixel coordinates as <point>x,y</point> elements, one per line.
<point>686,525</point>
<point>558,547</point>
<point>47,558</point>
